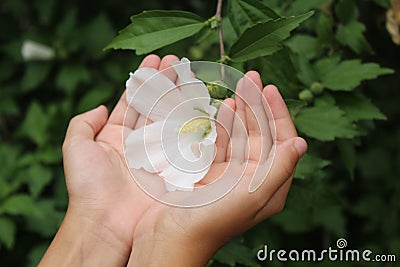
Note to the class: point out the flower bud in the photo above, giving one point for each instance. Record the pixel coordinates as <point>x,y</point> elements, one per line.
<point>306,95</point>
<point>217,89</point>
<point>317,88</point>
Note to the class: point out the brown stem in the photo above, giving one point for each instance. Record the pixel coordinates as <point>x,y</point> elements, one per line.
<point>220,37</point>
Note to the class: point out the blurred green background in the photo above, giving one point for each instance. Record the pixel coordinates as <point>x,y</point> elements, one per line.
<point>38,98</point>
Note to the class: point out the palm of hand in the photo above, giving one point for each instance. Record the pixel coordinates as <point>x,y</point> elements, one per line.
<point>101,181</point>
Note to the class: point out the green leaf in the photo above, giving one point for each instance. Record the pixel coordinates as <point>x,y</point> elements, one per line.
<point>95,97</point>
<point>346,11</point>
<point>97,35</point>
<point>35,74</point>
<point>265,38</point>
<point>37,177</point>
<point>310,166</point>
<point>325,123</point>
<point>304,45</point>
<point>236,253</point>
<point>151,30</point>
<point>48,220</point>
<point>351,35</point>
<point>35,124</point>
<point>294,106</point>
<point>7,232</point>
<point>36,254</point>
<point>71,76</point>
<point>331,218</point>
<point>304,71</point>
<point>348,74</point>
<point>348,155</point>
<point>358,107</point>
<point>300,6</point>
<point>279,70</point>
<point>324,28</point>
<point>20,204</point>
<point>244,14</point>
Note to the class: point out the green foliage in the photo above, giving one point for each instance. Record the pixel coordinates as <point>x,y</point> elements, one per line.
<point>151,30</point>
<point>324,65</point>
<point>265,38</point>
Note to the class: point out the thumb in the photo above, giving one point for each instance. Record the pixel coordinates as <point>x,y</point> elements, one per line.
<point>287,154</point>
<point>86,125</point>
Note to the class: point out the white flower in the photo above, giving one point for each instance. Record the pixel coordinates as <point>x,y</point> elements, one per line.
<point>179,144</point>
<point>35,51</point>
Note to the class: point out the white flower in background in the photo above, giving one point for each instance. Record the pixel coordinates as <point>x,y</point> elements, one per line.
<point>179,144</point>
<point>31,50</point>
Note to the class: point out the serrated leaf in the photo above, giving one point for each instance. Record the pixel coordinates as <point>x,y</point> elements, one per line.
<point>359,107</point>
<point>244,14</point>
<point>7,232</point>
<point>151,30</point>
<point>265,38</point>
<point>351,35</point>
<point>304,70</point>
<point>20,204</point>
<point>279,70</point>
<point>348,74</point>
<point>325,123</point>
<point>304,45</point>
<point>310,166</point>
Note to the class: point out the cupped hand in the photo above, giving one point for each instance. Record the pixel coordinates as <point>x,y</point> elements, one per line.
<point>257,150</point>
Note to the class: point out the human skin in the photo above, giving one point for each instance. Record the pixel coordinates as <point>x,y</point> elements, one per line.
<point>110,221</point>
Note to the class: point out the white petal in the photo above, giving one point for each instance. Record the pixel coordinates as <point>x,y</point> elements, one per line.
<point>144,147</point>
<point>189,168</point>
<point>176,179</point>
<point>191,87</point>
<point>152,94</point>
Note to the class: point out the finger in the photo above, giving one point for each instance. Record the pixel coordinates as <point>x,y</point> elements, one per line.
<point>279,117</point>
<point>237,149</point>
<point>150,61</point>
<point>141,121</point>
<point>287,154</point>
<point>123,113</point>
<point>87,125</point>
<point>224,124</point>
<point>260,140</point>
<point>166,68</point>
<point>122,108</point>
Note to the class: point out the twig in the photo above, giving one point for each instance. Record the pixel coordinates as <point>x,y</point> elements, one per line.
<point>221,37</point>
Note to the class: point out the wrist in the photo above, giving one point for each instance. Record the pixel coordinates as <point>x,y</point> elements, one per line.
<point>85,242</point>
<point>159,249</point>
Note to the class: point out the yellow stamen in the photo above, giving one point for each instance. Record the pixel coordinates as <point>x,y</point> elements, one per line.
<point>195,125</point>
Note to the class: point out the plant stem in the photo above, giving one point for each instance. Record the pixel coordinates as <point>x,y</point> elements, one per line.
<point>221,38</point>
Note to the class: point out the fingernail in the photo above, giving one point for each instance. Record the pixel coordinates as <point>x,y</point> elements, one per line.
<point>301,146</point>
